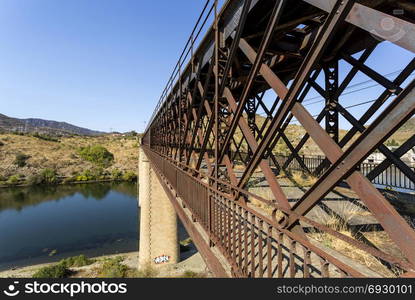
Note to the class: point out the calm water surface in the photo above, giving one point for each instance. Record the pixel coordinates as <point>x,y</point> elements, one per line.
<point>92,219</point>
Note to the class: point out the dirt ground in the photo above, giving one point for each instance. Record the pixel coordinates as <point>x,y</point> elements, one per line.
<point>193,264</point>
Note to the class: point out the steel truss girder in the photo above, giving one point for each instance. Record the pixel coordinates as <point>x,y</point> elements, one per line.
<point>204,123</point>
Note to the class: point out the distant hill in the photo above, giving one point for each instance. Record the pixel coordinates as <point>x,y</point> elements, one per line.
<point>295,133</point>
<point>8,124</point>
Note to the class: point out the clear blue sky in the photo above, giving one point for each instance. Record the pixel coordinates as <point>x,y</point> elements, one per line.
<point>99,64</point>
<point>102,64</point>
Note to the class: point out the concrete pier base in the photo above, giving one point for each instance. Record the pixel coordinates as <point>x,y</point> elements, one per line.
<point>158,241</point>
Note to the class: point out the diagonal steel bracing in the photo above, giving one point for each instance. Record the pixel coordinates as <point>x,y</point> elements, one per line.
<point>224,118</point>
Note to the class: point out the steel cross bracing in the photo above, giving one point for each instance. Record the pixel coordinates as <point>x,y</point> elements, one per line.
<point>225,120</point>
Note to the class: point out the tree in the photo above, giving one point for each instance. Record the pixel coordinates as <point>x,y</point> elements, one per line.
<point>98,155</point>
<point>21,159</point>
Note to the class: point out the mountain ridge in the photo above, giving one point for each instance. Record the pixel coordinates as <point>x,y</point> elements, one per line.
<point>41,126</point>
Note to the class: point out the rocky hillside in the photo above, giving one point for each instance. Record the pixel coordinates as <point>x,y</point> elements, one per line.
<point>295,133</point>
<point>62,155</point>
<point>8,124</point>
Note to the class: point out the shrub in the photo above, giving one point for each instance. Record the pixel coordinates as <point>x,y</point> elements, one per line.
<point>86,175</point>
<point>146,272</point>
<point>192,274</point>
<point>49,176</point>
<point>61,270</point>
<point>97,155</point>
<point>82,178</point>
<point>98,173</point>
<point>76,261</point>
<point>113,268</point>
<point>21,159</point>
<point>94,174</point>
<point>116,174</point>
<point>46,176</point>
<point>185,245</point>
<point>13,180</point>
<point>392,143</point>
<point>55,271</point>
<point>35,179</point>
<point>45,137</point>
<point>129,176</point>
<point>1,143</point>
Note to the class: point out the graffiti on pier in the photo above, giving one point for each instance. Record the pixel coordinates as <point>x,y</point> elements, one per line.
<point>161,259</point>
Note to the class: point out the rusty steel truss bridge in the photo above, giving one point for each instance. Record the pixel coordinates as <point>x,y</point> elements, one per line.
<point>240,88</point>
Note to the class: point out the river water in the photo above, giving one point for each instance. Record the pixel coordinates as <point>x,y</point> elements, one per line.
<point>46,223</point>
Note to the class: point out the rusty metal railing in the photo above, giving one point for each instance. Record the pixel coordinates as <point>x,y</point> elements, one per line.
<point>256,244</point>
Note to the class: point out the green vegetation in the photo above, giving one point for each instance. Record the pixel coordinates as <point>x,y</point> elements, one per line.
<point>54,271</point>
<point>192,274</point>
<point>45,137</point>
<point>392,143</point>
<point>34,180</point>
<point>13,180</point>
<point>86,175</point>
<point>97,154</point>
<point>116,174</point>
<point>46,176</point>
<point>21,160</point>
<point>146,272</point>
<point>129,176</point>
<point>61,269</point>
<point>49,176</point>
<point>185,245</point>
<point>38,160</point>
<point>100,174</point>
<point>281,148</point>
<point>77,261</point>
<point>113,268</point>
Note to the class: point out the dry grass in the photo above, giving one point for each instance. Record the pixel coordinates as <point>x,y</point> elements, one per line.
<point>266,194</point>
<point>348,211</point>
<point>354,253</point>
<point>263,193</point>
<point>147,272</point>
<point>303,179</point>
<point>344,213</point>
<point>192,274</point>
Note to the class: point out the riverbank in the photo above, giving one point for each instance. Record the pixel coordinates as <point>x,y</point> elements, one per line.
<point>192,266</point>
<point>30,160</point>
<point>65,181</point>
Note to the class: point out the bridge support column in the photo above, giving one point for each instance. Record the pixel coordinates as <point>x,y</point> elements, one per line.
<point>158,220</point>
